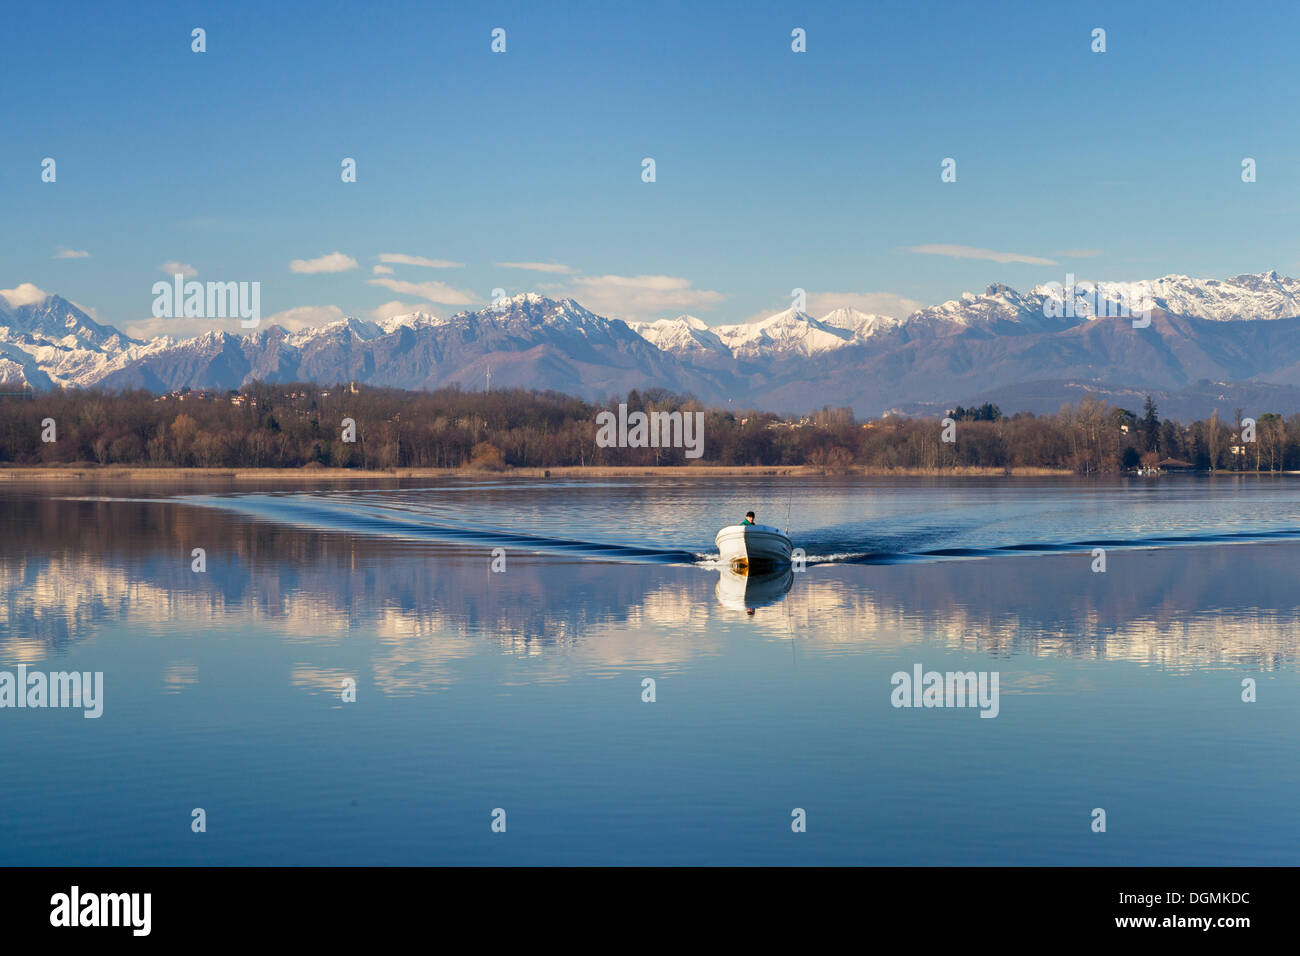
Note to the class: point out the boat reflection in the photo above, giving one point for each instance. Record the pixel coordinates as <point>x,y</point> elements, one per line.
<point>745,592</point>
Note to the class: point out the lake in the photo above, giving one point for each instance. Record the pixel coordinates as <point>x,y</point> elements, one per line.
<point>522,694</point>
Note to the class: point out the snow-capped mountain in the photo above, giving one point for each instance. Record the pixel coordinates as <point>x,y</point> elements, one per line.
<point>340,331</point>
<point>863,325</point>
<point>781,335</point>
<point>48,341</point>
<point>1241,298</point>
<point>526,341</point>
<point>684,336</point>
<point>57,321</point>
<point>785,334</point>
<point>1240,330</point>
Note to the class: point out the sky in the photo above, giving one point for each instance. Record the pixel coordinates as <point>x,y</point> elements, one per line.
<point>523,170</point>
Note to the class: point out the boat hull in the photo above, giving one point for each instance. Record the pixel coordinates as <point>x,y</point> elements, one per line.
<point>753,546</point>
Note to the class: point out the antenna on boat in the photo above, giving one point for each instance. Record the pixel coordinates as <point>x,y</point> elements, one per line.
<point>789,502</point>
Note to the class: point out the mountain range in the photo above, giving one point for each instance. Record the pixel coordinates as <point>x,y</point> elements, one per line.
<point>1211,343</point>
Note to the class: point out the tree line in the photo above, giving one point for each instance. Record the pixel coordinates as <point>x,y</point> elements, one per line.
<point>303,425</point>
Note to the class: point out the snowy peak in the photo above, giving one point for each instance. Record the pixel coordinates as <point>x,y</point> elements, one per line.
<point>527,308</point>
<point>692,322</point>
<point>55,319</point>
<point>787,333</point>
<point>411,320</point>
<point>46,341</point>
<point>861,324</point>
<point>342,331</point>
<point>1242,298</point>
<point>681,336</point>
<point>530,309</point>
<point>998,304</point>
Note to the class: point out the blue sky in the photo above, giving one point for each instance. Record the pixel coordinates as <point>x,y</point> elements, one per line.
<point>775,170</point>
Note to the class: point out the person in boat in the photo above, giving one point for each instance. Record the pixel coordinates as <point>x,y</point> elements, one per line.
<point>749,519</point>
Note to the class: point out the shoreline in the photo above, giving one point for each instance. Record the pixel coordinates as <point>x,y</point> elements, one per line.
<point>16,473</point>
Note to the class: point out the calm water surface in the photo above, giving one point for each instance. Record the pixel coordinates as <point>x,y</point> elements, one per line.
<point>523,689</point>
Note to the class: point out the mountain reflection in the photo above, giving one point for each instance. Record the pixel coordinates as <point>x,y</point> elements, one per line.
<point>70,568</point>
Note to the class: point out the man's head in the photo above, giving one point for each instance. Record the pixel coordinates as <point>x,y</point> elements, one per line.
<point>749,515</point>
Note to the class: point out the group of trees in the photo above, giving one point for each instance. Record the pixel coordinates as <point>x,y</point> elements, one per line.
<point>303,425</point>
<point>988,412</point>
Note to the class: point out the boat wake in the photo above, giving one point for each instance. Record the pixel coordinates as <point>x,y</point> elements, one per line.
<point>842,551</point>
<point>825,546</point>
<point>330,513</point>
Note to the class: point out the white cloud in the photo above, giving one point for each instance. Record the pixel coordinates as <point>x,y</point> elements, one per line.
<point>973,252</point>
<point>24,294</point>
<point>71,254</point>
<point>637,297</point>
<point>875,303</point>
<point>397,307</point>
<point>182,328</point>
<point>553,267</point>
<point>400,259</point>
<point>294,320</point>
<point>433,291</point>
<point>1078,253</point>
<point>382,270</point>
<point>334,262</point>
<point>184,268</point>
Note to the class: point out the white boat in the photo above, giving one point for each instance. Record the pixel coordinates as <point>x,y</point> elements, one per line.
<point>753,545</point>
